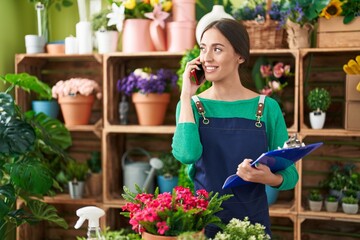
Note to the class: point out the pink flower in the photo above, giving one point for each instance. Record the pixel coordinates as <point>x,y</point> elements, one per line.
<point>265,70</point>
<point>75,86</point>
<point>162,227</point>
<point>266,91</point>
<point>278,70</point>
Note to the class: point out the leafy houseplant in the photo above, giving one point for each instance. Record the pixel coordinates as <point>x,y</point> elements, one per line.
<point>150,92</point>
<point>331,203</point>
<point>170,214</point>
<point>315,200</point>
<point>168,175</point>
<point>76,173</point>
<point>350,204</point>
<point>318,101</point>
<point>32,147</point>
<point>42,90</point>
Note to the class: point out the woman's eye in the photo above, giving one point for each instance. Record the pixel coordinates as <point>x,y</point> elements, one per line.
<point>217,50</point>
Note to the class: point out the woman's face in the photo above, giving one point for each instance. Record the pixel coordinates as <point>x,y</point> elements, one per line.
<point>218,57</point>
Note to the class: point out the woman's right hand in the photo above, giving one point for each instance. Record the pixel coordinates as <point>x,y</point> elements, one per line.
<point>189,87</point>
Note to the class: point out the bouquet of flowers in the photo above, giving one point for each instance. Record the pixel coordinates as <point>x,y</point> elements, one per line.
<point>275,77</point>
<point>171,214</point>
<point>237,229</point>
<point>75,86</point>
<point>144,81</point>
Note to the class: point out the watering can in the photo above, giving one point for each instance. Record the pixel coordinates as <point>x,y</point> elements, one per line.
<point>140,173</point>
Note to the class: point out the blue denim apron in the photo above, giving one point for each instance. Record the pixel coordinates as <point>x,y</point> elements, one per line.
<point>226,143</point>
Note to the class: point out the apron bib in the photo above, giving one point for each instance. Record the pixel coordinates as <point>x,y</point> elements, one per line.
<point>226,143</point>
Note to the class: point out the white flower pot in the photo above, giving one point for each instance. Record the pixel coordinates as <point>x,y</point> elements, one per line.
<point>34,44</point>
<point>107,41</point>
<point>317,119</point>
<point>331,206</point>
<point>315,205</point>
<point>76,189</point>
<point>350,208</point>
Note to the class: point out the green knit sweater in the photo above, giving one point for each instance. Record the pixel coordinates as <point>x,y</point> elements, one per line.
<point>186,145</point>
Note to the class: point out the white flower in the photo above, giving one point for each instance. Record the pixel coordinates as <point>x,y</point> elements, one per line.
<point>117,16</point>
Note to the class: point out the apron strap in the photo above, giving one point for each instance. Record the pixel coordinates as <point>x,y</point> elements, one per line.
<point>200,108</point>
<point>259,111</point>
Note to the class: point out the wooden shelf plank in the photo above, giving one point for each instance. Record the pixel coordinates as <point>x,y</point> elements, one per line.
<point>329,132</point>
<point>140,129</point>
<point>337,216</point>
<point>65,199</point>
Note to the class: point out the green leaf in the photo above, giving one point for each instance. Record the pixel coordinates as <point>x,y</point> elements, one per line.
<point>7,192</point>
<point>67,3</point>
<point>43,211</point>
<point>16,137</point>
<point>29,83</point>
<point>20,216</point>
<point>7,108</point>
<point>51,130</point>
<point>31,175</point>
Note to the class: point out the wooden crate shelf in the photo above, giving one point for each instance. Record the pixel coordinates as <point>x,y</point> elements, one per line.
<point>105,134</point>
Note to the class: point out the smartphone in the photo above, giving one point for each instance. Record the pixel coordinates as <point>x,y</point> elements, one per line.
<point>198,76</point>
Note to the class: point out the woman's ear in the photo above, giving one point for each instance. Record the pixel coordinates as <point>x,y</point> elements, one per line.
<point>241,60</point>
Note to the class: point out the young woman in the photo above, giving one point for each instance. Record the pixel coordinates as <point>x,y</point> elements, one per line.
<point>220,131</point>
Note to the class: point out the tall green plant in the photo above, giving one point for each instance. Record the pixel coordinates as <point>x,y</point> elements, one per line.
<point>31,145</point>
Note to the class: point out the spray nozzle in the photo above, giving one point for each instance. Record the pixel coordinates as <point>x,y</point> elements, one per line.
<point>90,213</point>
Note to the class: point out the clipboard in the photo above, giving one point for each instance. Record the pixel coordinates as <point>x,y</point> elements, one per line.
<point>276,160</point>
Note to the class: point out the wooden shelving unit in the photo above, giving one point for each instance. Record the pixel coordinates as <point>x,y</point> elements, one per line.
<point>113,139</point>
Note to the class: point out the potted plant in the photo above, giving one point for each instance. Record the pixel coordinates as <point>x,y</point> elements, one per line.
<point>150,93</point>
<point>44,103</point>
<point>318,101</point>
<point>31,145</point>
<point>106,36</point>
<point>167,210</point>
<point>299,19</point>
<point>168,175</point>
<point>76,174</point>
<point>350,204</point>
<point>95,179</point>
<point>331,203</point>
<point>76,97</point>
<point>315,200</point>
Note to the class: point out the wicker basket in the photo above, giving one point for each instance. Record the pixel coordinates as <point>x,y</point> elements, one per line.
<point>266,35</point>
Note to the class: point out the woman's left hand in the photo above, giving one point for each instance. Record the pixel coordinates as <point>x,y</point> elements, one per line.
<point>258,174</point>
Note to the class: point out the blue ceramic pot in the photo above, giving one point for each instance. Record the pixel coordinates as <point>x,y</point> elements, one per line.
<point>50,108</point>
<point>166,184</point>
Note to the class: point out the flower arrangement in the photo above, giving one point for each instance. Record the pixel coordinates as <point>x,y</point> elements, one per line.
<point>171,214</point>
<point>129,9</point>
<point>347,8</point>
<point>256,10</point>
<point>303,11</point>
<point>275,76</point>
<point>242,229</point>
<point>75,86</point>
<point>142,80</point>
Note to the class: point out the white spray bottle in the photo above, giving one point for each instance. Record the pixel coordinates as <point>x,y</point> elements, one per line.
<point>92,214</point>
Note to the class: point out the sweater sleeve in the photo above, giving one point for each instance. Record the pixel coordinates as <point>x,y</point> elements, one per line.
<point>186,146</point>
<point>277,135</point>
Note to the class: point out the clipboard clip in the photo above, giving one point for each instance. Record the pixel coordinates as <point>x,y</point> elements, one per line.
<point>293,142</point>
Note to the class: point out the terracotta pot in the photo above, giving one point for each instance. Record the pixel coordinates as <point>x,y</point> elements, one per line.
<point>132,40</point>
<point>94,184</point>
<point>55,48</point>
<point>76,109</point>
<point>151,108</point>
